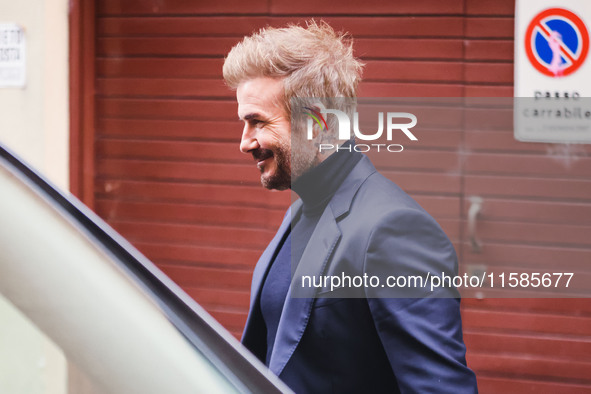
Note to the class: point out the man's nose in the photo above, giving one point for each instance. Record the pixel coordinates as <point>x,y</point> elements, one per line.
<point>248,141</point>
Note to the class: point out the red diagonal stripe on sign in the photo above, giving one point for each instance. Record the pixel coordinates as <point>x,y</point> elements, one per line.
<point>562,50</point>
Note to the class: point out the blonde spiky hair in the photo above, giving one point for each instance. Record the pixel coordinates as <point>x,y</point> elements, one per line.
<point>313,61</point>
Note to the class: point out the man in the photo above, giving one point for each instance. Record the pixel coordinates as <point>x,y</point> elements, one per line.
<point>349,219</point>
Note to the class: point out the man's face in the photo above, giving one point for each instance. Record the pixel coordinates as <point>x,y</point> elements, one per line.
<point>267,130</point>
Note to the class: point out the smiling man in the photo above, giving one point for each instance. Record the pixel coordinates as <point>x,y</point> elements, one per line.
<point>350,221</point>
<point>266,133</point>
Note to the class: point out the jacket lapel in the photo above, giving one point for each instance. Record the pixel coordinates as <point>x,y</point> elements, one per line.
<point>253,337</point>
<point>299,302</point>
<point>265,260</point>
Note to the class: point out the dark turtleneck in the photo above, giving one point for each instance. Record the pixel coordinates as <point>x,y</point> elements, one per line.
<point>315,188</point>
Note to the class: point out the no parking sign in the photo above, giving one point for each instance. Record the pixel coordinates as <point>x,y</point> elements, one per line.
<point>552,71</point>
<point>557,42</point>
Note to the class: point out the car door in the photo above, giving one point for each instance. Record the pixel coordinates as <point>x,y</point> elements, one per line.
<point>82,311</point>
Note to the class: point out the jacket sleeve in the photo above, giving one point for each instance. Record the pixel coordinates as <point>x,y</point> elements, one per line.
<point>419,327</point>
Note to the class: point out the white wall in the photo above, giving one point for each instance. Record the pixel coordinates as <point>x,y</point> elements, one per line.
<point>34,119</point>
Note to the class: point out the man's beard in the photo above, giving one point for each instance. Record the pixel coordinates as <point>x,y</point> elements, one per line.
<point>281,178</point>
<point>290,165</point>
<point>304,156</point>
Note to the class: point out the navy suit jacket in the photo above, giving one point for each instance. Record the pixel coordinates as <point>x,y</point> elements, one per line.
<point>370,344</point>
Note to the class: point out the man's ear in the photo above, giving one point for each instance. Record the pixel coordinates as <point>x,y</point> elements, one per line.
<point>315,131</point>
<point>312,123</point>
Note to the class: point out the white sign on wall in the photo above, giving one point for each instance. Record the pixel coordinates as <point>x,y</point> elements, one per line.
<point>552,71</point>
<point>12,55</point>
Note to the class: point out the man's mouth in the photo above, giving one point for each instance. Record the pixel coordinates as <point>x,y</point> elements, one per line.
<point>262,155</point>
